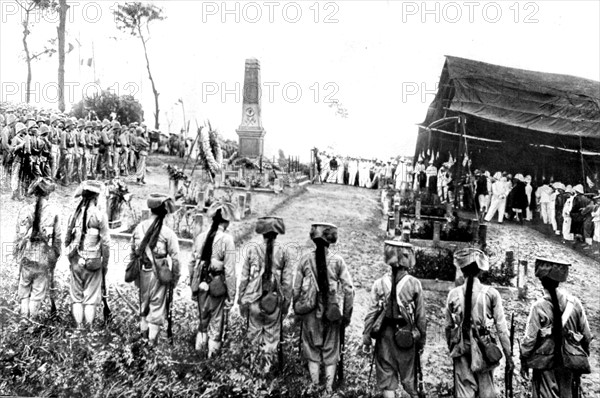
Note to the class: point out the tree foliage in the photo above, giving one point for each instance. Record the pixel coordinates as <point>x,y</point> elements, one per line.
<point>126,107</point>
<point>135,19</point>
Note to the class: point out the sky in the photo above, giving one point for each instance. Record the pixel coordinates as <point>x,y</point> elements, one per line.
<point>380,61</point>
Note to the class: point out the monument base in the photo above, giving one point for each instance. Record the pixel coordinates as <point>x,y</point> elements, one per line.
<point>251,142</point>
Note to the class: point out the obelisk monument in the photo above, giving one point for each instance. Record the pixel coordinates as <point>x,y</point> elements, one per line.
<point>251,132</point>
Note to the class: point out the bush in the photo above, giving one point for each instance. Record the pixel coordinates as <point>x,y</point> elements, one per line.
<point>126,107</point>
<point>438,265</point>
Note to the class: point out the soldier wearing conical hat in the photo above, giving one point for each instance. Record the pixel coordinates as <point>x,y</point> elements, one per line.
<point>37,246</point>
<point>88,248</point>
<point>556,344</point>
<point>265,291</point>
<point>157,245</point>
<point>401,304</point>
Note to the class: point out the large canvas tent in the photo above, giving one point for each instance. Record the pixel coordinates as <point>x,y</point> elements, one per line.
<point>506,119</point>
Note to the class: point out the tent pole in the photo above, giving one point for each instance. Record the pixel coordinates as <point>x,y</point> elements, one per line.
<point>582,162</point>
<point>457,124</point>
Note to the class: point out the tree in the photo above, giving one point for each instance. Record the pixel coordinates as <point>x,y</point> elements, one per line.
<point>29,7</point>
<point>126,107</point>
<point>135,18</point>
<point>62,15</point>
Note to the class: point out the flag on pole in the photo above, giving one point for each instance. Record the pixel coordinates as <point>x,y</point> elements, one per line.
<point>589,182</point>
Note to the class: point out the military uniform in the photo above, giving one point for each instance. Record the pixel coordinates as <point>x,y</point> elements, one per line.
<point>264,327</point>
<point>393,363</point>
<point>218,270</point>
<point>142,146</point>
<point>105,152</point>
<point>37,255</point>
<point>153,293</point>
<point>472,378</point>
<point>18,146</point>
<point>67,150</point>
<point>88,253</point>
<point>551,378</point>
<point>320,332</point>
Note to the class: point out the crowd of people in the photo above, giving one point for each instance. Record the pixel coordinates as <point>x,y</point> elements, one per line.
<point>573,212</point>
<point>321,296</point>
<point>569,210</point>
<point>361,172</point>
<point>41,143</point>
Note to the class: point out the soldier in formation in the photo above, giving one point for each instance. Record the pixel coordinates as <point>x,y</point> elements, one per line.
<point>158,248</point>
<point>213,277</point>
<point>265,291</point>
<point>37,246</point>
<point>472,310</point>
<point>67,149</point>
<point>397,321</point>
<point>556,344</point>
<point>323,297</point>
<point>87,245</point>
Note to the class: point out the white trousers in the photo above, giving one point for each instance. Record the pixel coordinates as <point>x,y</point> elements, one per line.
<point>352,176</point>
<point>545,210</point>
<point>497,205</point>
<point>566,228</point>
<point>484,201</point>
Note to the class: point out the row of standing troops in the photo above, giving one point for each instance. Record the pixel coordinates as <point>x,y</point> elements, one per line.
<point>321,295</point>
<point>70,149</point>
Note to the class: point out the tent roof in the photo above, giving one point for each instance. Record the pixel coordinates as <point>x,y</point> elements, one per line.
<point>543,102</point>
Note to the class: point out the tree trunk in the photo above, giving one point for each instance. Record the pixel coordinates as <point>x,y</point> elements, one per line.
<point>27,54</point>
<point>156,110</point>
<point>63,8</point>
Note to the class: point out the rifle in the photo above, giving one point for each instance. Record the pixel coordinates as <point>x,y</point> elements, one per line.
<point>371,370</point>
<point>169,314</point>
<point>106,310</point>
<point>576,386</point>
<point>224,324</point>
<point>52,288</point>
<point>300,341</point>
<point>508,373</point>
<point>281,315</point>
<point>340,369</point>
<point>419,376</point>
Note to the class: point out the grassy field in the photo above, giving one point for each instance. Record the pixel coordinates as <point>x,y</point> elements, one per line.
<point>50,359</point>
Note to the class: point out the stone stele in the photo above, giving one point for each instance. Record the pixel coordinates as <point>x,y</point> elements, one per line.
<point>251,132</point>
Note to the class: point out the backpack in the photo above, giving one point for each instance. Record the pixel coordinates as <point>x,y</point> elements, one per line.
<point>575,358</point>
<point>306,301</point>
<point>271,296</point>
<point>404,331</point>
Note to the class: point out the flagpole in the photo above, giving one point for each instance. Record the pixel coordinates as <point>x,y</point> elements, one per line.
<point>94,62</point>
<point>582,162</point>
<point>79,52</point>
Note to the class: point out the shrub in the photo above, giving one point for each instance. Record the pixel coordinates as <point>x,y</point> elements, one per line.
<point>126,107</point>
